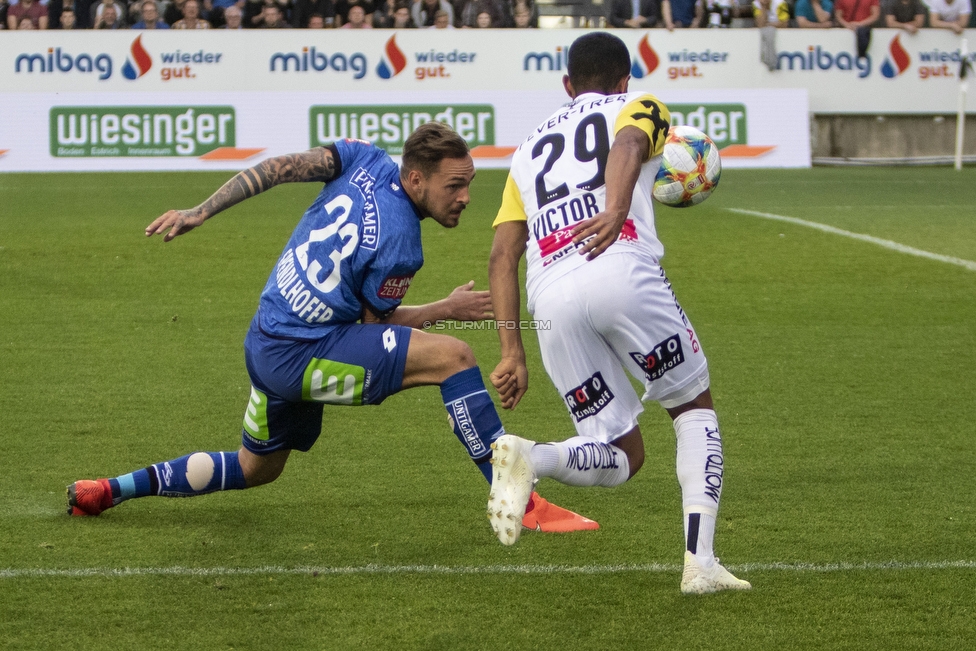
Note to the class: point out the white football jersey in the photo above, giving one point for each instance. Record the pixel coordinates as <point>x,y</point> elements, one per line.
<point>557,180</point>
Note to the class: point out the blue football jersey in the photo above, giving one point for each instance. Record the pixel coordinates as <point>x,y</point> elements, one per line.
<point>358,245</point>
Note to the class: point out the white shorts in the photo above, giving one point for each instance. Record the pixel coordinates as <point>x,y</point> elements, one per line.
<point>614,313</point>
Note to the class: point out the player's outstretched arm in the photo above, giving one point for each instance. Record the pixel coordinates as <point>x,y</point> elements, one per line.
<point>510,377</point>
<point>462,304</point>
<point>313,165</point>
<point>628,152</point>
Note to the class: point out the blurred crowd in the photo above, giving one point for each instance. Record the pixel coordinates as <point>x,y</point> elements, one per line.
<point>909,15</point>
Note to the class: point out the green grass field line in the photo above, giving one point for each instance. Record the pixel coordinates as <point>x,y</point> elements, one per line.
<point>888,244</point>
<point>273,570</point>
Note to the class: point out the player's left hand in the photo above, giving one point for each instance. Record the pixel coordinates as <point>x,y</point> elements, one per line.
<point>511,380</point>
<point>604,229</point>
<point>465,304</point>
<point>177,222</point>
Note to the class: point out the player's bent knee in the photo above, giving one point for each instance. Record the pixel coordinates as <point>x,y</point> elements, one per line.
<point>632,444</point>
<point>262,469</point>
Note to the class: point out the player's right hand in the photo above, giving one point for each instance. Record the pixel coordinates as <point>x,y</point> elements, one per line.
<point>177,222</point>
<point>511,380</point>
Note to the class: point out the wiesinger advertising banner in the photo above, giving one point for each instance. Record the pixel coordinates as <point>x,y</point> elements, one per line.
<point>224,130</point>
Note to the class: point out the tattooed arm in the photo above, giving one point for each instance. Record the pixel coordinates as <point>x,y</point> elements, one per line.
<point>317,164</point>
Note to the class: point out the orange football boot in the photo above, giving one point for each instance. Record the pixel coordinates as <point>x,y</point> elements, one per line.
<point>89,497</point>
<point>542,515</point>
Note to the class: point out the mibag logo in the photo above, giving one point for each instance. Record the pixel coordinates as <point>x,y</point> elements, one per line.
<point>817,58</point>
<point>58,60</point>
<point>140,131</point>
<point>554,61</point>
<point>897,60</point>
<point>388,126</point>
<point>647,60</point>
<point>392,62</point>
<point>311,59</point>
<point>139,64</point>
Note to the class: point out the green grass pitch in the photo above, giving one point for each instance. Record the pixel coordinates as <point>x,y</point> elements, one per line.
<point>843,375</point>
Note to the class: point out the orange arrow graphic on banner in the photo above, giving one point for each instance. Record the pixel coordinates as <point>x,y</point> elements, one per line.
<point>492,151</point>
<point>745,151</point>
<point>3,151</point>
<point>231,153</point>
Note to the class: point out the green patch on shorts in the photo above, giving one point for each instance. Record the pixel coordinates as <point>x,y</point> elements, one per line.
<point>256,416</point>
<point>334,383</point>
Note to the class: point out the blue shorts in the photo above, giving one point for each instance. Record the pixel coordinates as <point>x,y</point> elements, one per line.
<point>354,364</point>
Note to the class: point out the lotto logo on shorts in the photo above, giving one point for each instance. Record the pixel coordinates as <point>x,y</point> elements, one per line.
<point>662,358</point>
<point>589,398</point>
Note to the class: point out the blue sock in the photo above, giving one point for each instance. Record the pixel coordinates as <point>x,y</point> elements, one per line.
<point>194,474</point>
<point>473,416</point>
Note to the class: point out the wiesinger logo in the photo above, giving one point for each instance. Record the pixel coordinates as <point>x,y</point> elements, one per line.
<point>646,61</point>
<point>725,124</point>
<point>140,62</point>
<point>140,131</point>
<point>389,126</point>
<point>897,60</point>
<point>393,60</point>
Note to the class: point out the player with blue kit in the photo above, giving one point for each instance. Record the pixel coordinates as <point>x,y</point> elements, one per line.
<point>330,328</point>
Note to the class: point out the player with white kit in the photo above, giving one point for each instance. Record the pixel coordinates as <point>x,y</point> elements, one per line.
<point>577,203</point>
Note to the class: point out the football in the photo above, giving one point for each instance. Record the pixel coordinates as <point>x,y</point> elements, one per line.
<point>690,168</point>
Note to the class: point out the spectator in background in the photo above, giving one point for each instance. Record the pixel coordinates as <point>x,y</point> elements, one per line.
<point>772,13</point>
<point>497,10</point>
<point>109,18</point>
<point>720,12</point>
<point>383,14</point>
<point>26,23</point>
<point>908,15</point>
<point>852,14</point>
<point>525,15</point>
<point>191,17</point>
<point>173,12</point>
<point>3,14</point>
<point>305,9</point>
<point>233,15</point>
<point>356,18</point>
<point>950,14</point>
<point>120,13</point>
<point>30,10</point>
<point>401,16</point>
<point>815,13</point>
<point>254,15</point>
<point>522,16</point>
<point>272,17</point>
<point>150,17</point>
<point>67,18</point>
<point>634,13</point>
<point>442,20</point>
<point>682,13</point>
<point>423,11</point>
<point>342,8</point>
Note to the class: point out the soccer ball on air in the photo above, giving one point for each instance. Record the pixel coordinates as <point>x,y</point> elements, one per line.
<point>690,168</point>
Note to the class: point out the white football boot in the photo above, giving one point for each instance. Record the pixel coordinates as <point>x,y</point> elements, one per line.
<point>697,580</point>
<point>512,480</point>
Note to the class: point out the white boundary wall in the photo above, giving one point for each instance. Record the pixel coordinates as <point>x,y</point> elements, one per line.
<point>146,95</point>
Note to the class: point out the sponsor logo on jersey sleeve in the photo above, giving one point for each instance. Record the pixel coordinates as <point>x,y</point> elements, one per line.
<point>395,287</point>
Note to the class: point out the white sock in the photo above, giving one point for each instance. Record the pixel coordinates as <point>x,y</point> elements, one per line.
<point>581,461</point>
<point>700,467</point>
